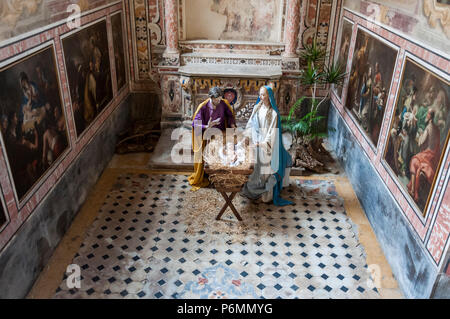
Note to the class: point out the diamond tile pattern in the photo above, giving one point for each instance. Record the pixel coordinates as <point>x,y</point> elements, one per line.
<point>138,248</point>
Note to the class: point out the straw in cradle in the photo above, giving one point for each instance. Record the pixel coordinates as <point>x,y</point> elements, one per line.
<point>228,164</point>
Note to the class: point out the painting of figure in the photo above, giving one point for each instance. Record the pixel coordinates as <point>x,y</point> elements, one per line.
<point>342,57</point>
<point>419,131</point>
<point>33,123</point>
<point>119,54</point>
<point>89,73</point>
<point>369,83</point>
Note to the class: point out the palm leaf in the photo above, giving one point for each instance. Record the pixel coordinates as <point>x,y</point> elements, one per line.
<point>314,54</point>
<point>335,73</point>
<point>295,106</point>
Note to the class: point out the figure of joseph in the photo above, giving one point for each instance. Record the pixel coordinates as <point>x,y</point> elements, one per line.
<point>214,112</point>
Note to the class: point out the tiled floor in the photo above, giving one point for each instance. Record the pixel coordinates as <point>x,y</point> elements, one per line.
<point>130,242</point>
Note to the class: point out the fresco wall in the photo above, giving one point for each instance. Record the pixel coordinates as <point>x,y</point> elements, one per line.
<point>422,20</point>
<point>46,76</point>
<point>254,20</point>
<point>410,159</point>
<point>21,16</point>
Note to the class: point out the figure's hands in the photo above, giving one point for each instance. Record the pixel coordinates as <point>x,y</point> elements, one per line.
<point>213,123</point>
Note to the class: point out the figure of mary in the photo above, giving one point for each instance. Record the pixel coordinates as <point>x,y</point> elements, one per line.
<point>273,163</point>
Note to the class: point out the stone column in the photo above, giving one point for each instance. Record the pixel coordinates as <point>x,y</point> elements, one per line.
<point>291,31</point>
<point>171,23</point>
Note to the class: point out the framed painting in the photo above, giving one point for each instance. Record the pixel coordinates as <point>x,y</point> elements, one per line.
<point>33,121</point>
<point>119,53</point>
<point>419,131</point>
<point>86,55</point>
<point>369,82</point>
<point>342,54</point>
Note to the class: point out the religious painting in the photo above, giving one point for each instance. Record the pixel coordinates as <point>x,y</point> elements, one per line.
<point>369,82</point>
<point>251,20</point>
<point>33,122</point>
<point>344,47</point>
<point>119,53</point>
<point>88,72</point>
<point>419,131</point>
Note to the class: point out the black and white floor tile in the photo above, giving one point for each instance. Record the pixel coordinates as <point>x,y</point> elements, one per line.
<point>138,247</point>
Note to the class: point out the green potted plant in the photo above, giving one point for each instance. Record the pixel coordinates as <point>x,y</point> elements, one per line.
<point>307,134</point>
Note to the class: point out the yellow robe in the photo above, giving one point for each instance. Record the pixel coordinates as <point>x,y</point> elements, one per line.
<point>198,180</point>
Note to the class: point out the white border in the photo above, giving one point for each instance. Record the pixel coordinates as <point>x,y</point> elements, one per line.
<point>423,217</point>
<point>5,211</point>
<point>87,128</point>
<point>41,180</point>
<point>52,26</point>
<point>444,255</point>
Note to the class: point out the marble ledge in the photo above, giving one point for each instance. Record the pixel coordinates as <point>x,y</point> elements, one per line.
<point>217,54</point>
<point>235,71</point>
<point>232,42</point>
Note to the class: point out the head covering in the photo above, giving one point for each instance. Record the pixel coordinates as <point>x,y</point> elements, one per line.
<point>280,158</point>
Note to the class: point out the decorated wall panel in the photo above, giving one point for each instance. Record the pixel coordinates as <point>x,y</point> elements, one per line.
<point>318,22</point>
<point>413,136</point>
<point>171,90</point>
<point>37,111</point>
<point>156,24</point>
<point>141,39</point>
<point>241,93</point>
